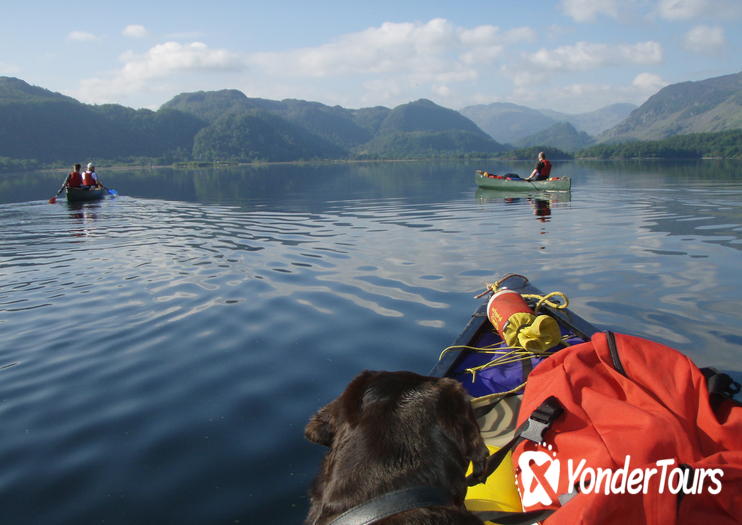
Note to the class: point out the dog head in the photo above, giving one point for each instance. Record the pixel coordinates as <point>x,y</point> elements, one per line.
<point>394,430</point>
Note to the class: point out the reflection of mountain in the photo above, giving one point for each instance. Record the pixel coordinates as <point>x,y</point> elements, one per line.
<point>280,185</point>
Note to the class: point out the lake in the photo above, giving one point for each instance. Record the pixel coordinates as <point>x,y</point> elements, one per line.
<point>163,350</point>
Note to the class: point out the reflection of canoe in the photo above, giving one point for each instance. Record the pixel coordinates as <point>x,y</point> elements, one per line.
<point>490,195</point>
<point>500,182</point>
<point>81,195</point>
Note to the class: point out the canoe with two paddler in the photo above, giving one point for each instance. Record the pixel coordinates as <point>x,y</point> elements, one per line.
<point>85,194</point>
<point>513,182</point>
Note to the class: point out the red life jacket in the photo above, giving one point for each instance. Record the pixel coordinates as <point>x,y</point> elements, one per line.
<point>546,170</point>
<point>74,179</point>
<point>88,180</point>
<point>658,440</point>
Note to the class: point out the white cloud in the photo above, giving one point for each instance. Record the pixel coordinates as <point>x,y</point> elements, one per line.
<point>588,10</point>
<point>134,31</point>
<point>434,47</point>
<point>648,82</point>
<point>580,97</point>
<point>81,36</point>
<point>160,62</point>
<point>396,58</point>
<point>704,39</point>
<point>688,9</point>
<point>681,9</point>
<point>585,56</point>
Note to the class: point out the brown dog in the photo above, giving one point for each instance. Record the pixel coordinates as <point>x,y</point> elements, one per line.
<point>396,430</point>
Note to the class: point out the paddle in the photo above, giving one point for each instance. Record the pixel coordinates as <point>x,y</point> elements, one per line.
<point>53,199</point>
<point>111,191</point>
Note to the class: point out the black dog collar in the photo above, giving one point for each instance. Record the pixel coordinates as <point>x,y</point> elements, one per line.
<point>392,503</point>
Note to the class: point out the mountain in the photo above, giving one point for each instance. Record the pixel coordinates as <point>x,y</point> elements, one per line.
<point>424,115</point>
<point>510,123</point>
<point>594,122</point>
<point>414,129</point>
<point>15,90</point>
<point>260,136</point>
<point>507,122</point>
<point>38,124</point>
<point>411,144</point>
<point>561,135</point>
<point>710,105</point>
<point>340,126</point>
<point>423,128</point>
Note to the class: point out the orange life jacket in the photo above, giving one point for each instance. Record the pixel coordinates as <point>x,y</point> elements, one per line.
<point>74,179</point>
<point>546,170</point>
<point>88,180</point>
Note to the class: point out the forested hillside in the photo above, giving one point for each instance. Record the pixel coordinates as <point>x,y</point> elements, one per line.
<point>705,106</point>
<point>38,127</point>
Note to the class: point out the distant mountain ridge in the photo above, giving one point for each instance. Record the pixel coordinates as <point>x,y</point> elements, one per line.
<point>561,135</point>
<point>510,123</point>
<point>412,129</point>
<point>595,122</point>
<point>40,125</point>
<point>43,126</point>
<point>710,105</point>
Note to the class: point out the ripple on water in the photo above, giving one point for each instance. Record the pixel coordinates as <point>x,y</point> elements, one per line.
<point>161,358</point>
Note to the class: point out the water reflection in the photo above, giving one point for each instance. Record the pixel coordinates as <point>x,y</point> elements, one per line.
<point>216,289</point>
<point>83,215</point>
<point>540,202</point>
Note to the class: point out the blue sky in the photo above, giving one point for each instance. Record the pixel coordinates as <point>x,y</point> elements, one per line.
<point>568,55</point>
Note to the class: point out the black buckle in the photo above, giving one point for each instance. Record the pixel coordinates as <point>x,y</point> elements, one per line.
<point>720,383</point>
<point>541,419</point>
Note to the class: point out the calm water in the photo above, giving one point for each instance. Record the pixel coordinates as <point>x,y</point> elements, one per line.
<point>162,351</point>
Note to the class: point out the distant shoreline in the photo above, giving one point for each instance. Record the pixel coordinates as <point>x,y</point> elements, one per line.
<point>217,164</point>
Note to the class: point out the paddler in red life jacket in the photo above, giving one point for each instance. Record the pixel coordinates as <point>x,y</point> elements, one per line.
<point>90,178</point>
<point>74,178</point>
<point>542,169</point>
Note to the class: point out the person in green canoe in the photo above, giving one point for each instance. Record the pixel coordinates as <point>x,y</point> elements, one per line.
<point>90,178</point>
<point>542,169</point>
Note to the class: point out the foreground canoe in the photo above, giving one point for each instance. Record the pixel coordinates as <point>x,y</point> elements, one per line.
<point>83,195</point>
<point>484,179</point>
<point>479,333</point>
<point>494,375</point>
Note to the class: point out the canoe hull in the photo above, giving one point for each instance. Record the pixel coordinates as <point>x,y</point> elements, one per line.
<point>560,184</point>
<point>479,324</point>
<point>496,397</point>
<point>81,195</point>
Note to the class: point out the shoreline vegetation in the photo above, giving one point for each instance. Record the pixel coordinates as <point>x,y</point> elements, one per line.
<point>725,145</point>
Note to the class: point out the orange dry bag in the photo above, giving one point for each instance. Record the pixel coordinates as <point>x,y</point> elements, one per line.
<point>518,325</point>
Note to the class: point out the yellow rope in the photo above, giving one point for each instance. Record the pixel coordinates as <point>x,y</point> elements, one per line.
<point>545,299</point>
<point>505,355</point>
<point>512,354</point>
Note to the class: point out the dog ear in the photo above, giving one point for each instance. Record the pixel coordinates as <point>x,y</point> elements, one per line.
<point>321,427</point>
<point>346,408</point>
<point>458,420</point>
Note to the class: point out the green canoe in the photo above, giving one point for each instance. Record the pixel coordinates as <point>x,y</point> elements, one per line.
<point>82,195</point>
<point>501,182</point>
